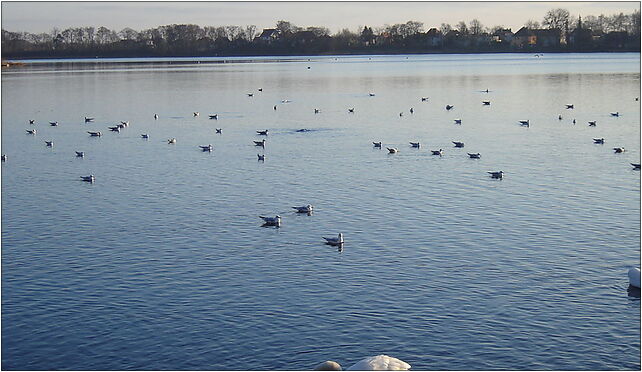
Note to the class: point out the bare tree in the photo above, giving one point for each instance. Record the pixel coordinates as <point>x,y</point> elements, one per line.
<point>250,32</point>
<point>462,28</point>
<point>476,27</point>
<point>445,28</point>
<point>532,25</point>
<point>557,18</point>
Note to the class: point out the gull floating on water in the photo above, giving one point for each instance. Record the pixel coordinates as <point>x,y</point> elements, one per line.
<point>449,107</point>
<point>634,277</point>
<point>219,130</point>
<point>206,148</point>
<point>635,166</point>
<point>260,89</point>
<point>371,94</point>
<point>53,123</point>
<point>615,114</point>
<point>271,221</point>
<point>171,140</point>
<point>259,143</point>
<point>569,106</point>
<point>392,150</point>
<point>486,103</point>
<point>592,123</point>
<point>458,144</point>
<point>334,241</point>
<point>376,363</point>
<point>95,134</point>
<point>155,116</point>
<point>145,136</point>
<point>401,114</point>
<point>124,123</point>
<point>215,116</point>
<point>4,157</point>
<point>89,178</point>
<point>80,154</point>
<point>115,129</point>
<point>618,150</point>
<point>250,94</point>
<point>316,111</point>
<point>305,209</point>
<point>424,99</point>
<point>262,132</point>
<point>559,117</point>
<point>412,111</point>
<point>439,152</point>
<point>526,123</point>
<point>31,131</point>
<point>261,157</point>
<point>351,109</point>
<point>196,114</point>
<point>415,144</point>
<point>49,143</point>
<point>598,141</point>
<point>31,121</point>
<point>377,144</point>
<point>457,121</point>
<point>88,119</point>
<point>499,174</point>
<point>474,156</point>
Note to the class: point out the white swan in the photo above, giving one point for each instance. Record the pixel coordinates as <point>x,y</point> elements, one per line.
<point>334,241</point>
<point>305,209</point>
<point>634,277</point>
<point>375,363</point>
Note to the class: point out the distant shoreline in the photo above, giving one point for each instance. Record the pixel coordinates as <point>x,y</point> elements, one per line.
<point>13,60</point>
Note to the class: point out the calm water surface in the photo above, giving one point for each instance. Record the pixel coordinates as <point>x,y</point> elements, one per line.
<point>162,263</point>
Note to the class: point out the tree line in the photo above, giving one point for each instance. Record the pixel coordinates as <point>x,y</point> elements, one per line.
<point>616,32</point>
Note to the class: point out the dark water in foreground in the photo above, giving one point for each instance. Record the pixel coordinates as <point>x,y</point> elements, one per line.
<point>162,263</point>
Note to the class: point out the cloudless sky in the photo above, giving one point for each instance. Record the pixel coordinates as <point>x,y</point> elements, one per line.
<point>42,16</point>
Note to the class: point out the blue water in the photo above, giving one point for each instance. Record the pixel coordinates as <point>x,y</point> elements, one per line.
<point>162,263</point>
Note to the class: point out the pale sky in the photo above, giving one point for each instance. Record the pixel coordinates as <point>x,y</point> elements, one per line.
<point>42,16</point>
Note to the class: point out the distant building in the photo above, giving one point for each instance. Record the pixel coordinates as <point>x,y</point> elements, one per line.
<point>434,38</point>
<point>528,38</point>
<point>269,34</point>
<point>504,35</point>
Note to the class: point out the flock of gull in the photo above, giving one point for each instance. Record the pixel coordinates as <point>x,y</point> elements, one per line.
<point>276,220</point>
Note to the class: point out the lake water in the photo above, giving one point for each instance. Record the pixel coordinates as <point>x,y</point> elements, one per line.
<point>162,263</point>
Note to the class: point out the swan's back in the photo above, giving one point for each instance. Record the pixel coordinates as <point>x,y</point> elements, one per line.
<point>380,363</point>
